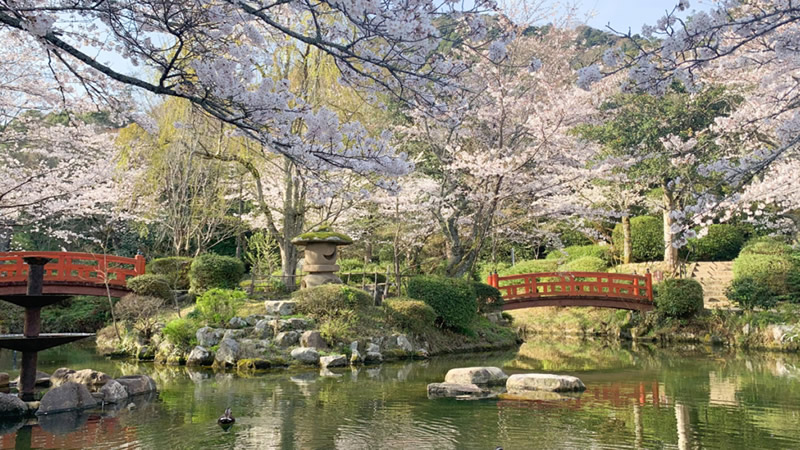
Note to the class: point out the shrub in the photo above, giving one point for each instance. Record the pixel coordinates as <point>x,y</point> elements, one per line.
<point>748,294</point>
<point>409,314</point>
<point>330,300</point>
<point>350,264</point>
<point>338,329</point>
<point>487,268</point>
<point>218,306</point>
<point>356,277</point>
<point>679,297</point>
<point>585,264</point>
<point>82,314</point>
<point>765,245</point>
<point>174,268</point>
<point>488,297</point>
<point>141,310</point>
<point>151,285</point>
<point>722,243</point>
<point>181,332</point>
<point>453,299</point>
<point>210,271</point>
<point>530,266</point>
<point>647,238</point>
<point>772,271</point>
<point>574,252</point>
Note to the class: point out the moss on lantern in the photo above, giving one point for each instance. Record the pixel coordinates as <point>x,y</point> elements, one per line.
<point>322,234</point>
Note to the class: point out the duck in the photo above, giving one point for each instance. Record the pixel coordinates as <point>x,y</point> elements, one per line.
<point>227,419</point>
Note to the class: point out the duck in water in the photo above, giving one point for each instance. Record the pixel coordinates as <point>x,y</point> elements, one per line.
<point>226,420</point>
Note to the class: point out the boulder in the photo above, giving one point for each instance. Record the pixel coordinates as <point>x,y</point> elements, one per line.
<point>5,380</point>
<point>491,376</point>
<point>333,361</point>
<point>227,353</point>
<point>373,347</point>
<point>237,322</point>
<point>42,379</point>
<point>404,343</point>
<point>92,379</point>
<point>525,382</point>
<point>137,384</point>
<point>356,358</point>
<point>293,324</point>
<point>234,334</point>
<point>287,339</point>
<point>456,390</point>
<point>313,339</point>
<point>199,356</point>
<point>263,329</point>
<point>209,337</point>
<point>253,319</point>
<point>67,397</point>
<point>280,308</point>
<point>12,406</point>
<point>373,358</point>
<point>306,355</point>
<point>114,392</point>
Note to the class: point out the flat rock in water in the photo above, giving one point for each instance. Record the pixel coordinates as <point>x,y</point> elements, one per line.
<point>12,406</point>
<point>199,356</point>
<point>306,355</point>
<point>92,379</point>
<point>526,382</point>
<point>67,397</point>
<point>456,390</point>
<point>333,361</point>
<point>137,384</point>
<point>491,376</point>
<point>114,392</point>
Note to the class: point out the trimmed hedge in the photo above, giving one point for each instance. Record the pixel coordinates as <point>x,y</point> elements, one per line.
<point>454,300</point>
<point>679,298</point>
<point>771,270</point>
<point>409,314</point>
<point>765,245</point>
<point>489,298</point>
<point>584,264</point>
<point>530,266</point>
<point>330,300</point>
<point>210,271</point>
<point>722,243</point>
<point>151,285</point>
<point>174,268</point>
<point>747,293</point>
<point>647,239</point>
<point>574,252</point>
<point>218,306</point>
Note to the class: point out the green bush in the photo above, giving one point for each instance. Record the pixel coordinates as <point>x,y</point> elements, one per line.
<point>770,270</point>
<point>487,268</point>
<point>356,277</point>
<point>453,299</point>
<point>574,252</point>
<point>747,293</point>
<point>151,285</point>
<point>488,297</point>
<point>350,264</point>
<point>409,314</point>
<point>584,264</point>
<point>722,243</point>
<point>80,314</point>
<point>679,297</point>
<point>647,239</point>
<point>174,268</point>
<point>181,332</point>
<point>210,271</point>
<point>218,306</point>
<point>765,245</point>
<point>530,266</point>
<point>330,300</point>
<point>793,278</point>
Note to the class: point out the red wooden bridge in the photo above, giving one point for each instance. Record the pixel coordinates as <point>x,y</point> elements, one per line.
<point>70,273</point>
<point>605,290</point>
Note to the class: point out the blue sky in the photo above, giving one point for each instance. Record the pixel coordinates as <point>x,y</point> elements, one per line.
<point>624,14</point>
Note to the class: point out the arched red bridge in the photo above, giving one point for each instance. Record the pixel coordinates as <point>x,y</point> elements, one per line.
<point>605,290</point>
<point>71,273</point>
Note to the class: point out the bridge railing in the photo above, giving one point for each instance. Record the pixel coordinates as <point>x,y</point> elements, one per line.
<point>574,284</point>
<point>70,267</point>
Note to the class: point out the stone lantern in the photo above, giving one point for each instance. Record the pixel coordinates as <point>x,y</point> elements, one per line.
<point>320,256</point>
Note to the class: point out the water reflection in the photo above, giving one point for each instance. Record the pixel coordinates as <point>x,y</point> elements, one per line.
<point>637,396</point>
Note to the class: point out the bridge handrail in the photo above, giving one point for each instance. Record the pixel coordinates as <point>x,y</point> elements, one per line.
<point>73,267</point>
<point>575,284</point>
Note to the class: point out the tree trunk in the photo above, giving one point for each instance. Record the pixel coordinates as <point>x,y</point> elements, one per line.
<point>627,247</point>
<point>670,252</point>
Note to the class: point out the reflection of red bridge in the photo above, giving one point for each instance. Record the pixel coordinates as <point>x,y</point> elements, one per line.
<point>605,290</point>
<point>71,273</point>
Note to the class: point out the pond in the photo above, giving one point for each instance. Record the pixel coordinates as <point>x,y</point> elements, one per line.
<point>636,397</point>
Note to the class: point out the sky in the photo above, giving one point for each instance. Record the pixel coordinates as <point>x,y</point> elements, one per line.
<point>625,14</point>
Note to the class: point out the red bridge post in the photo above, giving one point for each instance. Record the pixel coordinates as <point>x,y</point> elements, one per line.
<point>140,264</point>
<point>649,284</point>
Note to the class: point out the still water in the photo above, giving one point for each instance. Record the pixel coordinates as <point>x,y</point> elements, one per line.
<point>636,397</point>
